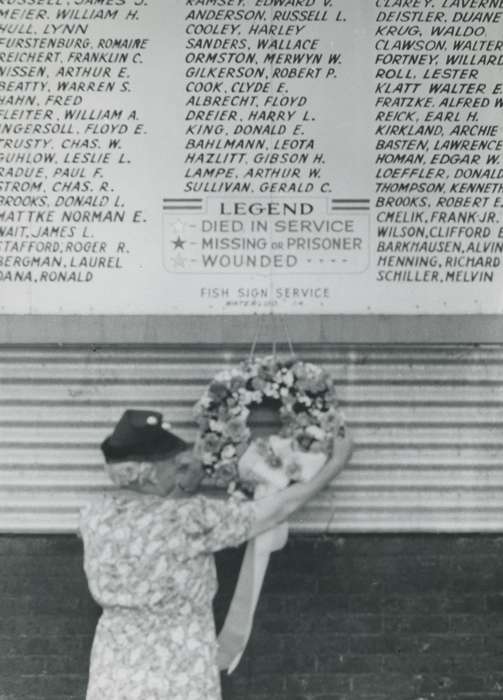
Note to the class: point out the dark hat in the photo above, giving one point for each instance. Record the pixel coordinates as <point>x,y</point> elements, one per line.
<point>139,435</point>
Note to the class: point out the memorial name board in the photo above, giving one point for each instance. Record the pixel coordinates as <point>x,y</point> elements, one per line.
<point>243,156</point>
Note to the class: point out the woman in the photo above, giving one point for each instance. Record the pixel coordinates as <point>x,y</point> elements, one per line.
<point>148,558</point>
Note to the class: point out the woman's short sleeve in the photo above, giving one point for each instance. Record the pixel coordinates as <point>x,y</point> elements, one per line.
<point>214,524</point>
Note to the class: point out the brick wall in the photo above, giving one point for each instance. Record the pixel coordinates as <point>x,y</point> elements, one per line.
<point>341,618</point>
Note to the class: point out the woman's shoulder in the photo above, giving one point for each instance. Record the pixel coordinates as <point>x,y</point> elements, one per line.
<point>118,502</point>
<point>119,514</point>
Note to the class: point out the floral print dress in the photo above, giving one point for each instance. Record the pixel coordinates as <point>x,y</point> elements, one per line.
<point>149,564</point>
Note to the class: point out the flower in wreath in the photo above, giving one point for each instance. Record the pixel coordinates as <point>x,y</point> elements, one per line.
<point>228,453</point>
<point>237,382</point>
<point>247,397</point>
<point>272,390</point>
<point>211,442</point>
<point>258,383</point>
<point>218,390</point>
<point>285,376</point>
<point>236,429</point>
<point>331,419</point>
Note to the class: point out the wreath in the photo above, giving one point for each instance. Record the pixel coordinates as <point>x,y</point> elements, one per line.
<point>304,396</point>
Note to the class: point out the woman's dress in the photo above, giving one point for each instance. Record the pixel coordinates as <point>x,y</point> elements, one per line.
<point>149,565</point>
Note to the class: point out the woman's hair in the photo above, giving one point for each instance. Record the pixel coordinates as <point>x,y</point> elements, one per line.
<point>125,473</point>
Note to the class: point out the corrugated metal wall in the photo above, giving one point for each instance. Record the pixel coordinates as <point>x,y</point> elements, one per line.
<point>427,423</point>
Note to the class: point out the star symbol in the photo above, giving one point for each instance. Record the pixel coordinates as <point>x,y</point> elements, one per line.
<point>178,227</point>
<point>178,243</point>
<point>179,260</point>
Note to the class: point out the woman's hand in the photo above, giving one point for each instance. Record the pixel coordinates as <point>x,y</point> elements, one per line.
<point>342,449</point>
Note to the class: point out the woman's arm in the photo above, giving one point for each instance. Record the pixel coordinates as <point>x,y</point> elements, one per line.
<point>274,509</point>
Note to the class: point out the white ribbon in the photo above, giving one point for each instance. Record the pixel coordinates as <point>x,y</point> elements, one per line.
<point>236,631</point>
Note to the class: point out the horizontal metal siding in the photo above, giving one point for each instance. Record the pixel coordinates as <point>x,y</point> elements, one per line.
<point>427,423</point>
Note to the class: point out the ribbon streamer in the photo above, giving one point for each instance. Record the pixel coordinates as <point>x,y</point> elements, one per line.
<point>236,631</point>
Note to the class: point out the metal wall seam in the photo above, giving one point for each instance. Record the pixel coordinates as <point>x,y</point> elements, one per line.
<point>427,422</point>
